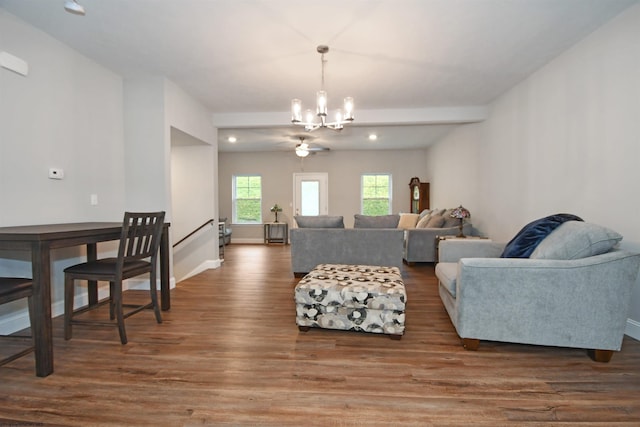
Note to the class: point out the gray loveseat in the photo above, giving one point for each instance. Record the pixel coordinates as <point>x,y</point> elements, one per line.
<point>573,291</point>
<point>324,240</point>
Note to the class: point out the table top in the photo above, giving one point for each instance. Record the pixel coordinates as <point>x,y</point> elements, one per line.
<point>54,231</point>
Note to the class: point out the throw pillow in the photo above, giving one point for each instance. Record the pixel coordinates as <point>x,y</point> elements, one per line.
<point>381,221</point>
<point>436,221</point>
<point>320,221</point>
<point>408,220</point>
<point>423,221</point>
<point>527,239</point>
<point>449,221</point>
<point>424,213</point>
<point>574,239</point>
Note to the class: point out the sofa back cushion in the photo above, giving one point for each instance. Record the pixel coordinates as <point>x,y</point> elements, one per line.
<point>436,221</point>
<point>527,239</point>
<point>320,221</point>
<point>380,221</point>
<point>449,221</point>
<point>408,220</point>
<point>574,239</point>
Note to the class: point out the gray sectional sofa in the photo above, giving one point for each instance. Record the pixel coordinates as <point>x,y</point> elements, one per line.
<point>384,240</point>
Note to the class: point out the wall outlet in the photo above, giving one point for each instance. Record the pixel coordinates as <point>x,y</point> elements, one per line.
<point>56,173</point>
<point>94,199</point>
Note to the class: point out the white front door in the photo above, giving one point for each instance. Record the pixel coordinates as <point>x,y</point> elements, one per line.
<point>310,194</point>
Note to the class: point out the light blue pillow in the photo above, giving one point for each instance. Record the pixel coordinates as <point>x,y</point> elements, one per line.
<point>576,239</point>
<point>320,221</point>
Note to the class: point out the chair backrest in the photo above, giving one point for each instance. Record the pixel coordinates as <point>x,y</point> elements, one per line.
<point>140,236</point>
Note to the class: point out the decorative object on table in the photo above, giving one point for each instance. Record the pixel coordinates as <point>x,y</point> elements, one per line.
<point>342,117</point>
<point>275,209</point>
<point>461,213</point>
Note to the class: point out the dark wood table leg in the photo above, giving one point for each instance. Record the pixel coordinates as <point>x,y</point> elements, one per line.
<point>165,296</point>
<point>42,325</point>
<point>92,288</point>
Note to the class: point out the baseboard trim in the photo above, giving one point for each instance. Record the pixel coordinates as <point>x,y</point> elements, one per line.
<point>633,329</point>
<point>19,320</point>
<point>247,241</point>
<point>207,265</point>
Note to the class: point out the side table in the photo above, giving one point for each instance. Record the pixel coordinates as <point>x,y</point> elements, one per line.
<point>276,232</point>
<point>456,238</point>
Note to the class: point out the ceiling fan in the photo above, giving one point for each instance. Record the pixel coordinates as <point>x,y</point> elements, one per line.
<point>303,149</point>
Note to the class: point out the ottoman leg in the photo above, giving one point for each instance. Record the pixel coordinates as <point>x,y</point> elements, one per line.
<point>303,328</point>
<point>395,337</point>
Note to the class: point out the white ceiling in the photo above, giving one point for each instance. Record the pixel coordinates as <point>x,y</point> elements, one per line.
<point>404,61</point>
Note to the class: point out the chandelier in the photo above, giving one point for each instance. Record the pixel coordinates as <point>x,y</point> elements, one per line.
<point>342,117</point>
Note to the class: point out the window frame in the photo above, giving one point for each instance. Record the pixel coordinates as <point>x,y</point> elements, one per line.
<point>234,199</point>
<point>362,187</point>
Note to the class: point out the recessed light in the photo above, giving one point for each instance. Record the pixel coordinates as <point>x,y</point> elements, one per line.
<point>232,139</point>
<point>373,137</point>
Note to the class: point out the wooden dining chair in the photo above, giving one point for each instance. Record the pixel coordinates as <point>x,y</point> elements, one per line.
<point>13,289</point>
<point>137,254</point>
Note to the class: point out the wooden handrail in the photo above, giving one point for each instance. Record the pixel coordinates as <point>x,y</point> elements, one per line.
<point>209,221</point>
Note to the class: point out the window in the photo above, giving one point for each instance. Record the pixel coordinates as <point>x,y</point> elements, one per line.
<point>247,199</point>
<point>376,194</point>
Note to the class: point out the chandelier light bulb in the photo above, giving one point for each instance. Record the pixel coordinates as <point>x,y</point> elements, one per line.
<point>296,110</point>
<point>321,100</point>
<point>348,108</point>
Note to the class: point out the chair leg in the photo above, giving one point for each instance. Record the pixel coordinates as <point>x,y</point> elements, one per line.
<point>112,314</point>
<point>117,303</point>
<point>154,296</point>
<point>68,305</point>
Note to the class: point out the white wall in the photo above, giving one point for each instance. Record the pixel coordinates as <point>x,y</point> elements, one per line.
<point>71,113</point>
<point>192,182</point>
<point>343,167</point>
<point>66,113</point>
<point>564,140</point>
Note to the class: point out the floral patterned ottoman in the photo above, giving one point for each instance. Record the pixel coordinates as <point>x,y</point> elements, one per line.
<point>364,298</point>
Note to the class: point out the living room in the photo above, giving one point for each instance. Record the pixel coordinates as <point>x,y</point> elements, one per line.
<point>565,139</point>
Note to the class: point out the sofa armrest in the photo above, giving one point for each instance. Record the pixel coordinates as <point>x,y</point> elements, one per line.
<point>579,303</point>
<point>420,243</point>
<point>454,250</point>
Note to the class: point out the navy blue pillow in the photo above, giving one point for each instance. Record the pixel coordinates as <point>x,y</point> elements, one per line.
<point>527,239</point>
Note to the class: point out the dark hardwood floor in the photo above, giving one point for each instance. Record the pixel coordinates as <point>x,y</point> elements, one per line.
<point>229,353</point>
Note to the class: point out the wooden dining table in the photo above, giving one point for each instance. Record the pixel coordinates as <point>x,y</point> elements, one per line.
<point>40,240</point>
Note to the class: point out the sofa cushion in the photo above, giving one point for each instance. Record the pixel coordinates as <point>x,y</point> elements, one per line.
<point>380,221</point>
<point>447,272</point>
<point>450,221</point>
<point>320,221</point>
<point>527,239</point>
<point>408,220</point>
<point>574,239</point>
<point>436,221</point>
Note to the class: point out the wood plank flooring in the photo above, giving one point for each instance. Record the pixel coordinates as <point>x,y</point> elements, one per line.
<point>229,353</point>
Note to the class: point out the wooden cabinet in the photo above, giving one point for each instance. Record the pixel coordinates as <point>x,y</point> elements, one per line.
<point>419,192</point>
